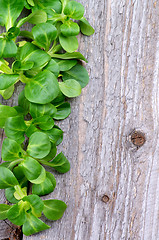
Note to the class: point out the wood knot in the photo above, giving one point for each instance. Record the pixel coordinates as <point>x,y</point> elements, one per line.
<point>105,199</point>
<point>137,138</point>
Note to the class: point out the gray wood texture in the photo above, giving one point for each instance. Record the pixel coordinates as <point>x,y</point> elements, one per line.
<point>122,95</point>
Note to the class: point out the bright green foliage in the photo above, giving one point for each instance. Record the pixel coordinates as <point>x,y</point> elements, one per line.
<point>51,154</point>
<point>54,209</point>
<point>33,225</point>
<point>33,170</point>
<point>44,122</point>
<point>39,145</point>
<point>45,187</point>
<point>65,65</point>
<point>69,44</point>
<point>44,34</point>
<point>15,128</point>
<point>85,27</point>
<point>31,53</point>
<point>16,215</point>
<point>39,110</point>
<point>36,204</point>
<point>78,73</point>
<point>55,135</point>
<point>46,61</point>
<point>70,88</point>
<point>74,10</point>
<point>63,111</point>
<point>11,150</point>
<point>5,112</point>
<point>53,67</point>
<point>6,80</point>
<point>43,88</point>
<point>74,55</point>
<point>10,11</point>
<point>9,193</point>
<point>8,48</point>
<point>3,211</point>
<point>70,28</point>
<point>60,163</point>
<point>7,178</point>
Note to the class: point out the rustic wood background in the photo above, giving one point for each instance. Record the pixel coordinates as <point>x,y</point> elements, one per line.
<point>122,95</point>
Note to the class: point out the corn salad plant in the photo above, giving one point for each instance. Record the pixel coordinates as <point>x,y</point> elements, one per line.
<point>50,68</point>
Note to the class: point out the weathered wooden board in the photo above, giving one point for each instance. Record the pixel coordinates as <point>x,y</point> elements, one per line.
<point>122,96</point>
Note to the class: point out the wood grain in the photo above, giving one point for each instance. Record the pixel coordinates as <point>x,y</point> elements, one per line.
<point>122,96</point>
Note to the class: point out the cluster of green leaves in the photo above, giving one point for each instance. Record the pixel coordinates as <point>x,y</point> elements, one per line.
<point>50,69</point>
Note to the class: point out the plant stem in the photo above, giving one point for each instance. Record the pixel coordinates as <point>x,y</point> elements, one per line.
<point>14,163</point>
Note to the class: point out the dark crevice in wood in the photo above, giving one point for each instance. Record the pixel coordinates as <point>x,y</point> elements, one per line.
<point>12,232</point>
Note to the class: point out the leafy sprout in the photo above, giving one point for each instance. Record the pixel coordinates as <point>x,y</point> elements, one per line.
<point>50,68</point>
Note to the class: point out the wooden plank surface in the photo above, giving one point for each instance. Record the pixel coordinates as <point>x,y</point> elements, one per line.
<point>122,96</point>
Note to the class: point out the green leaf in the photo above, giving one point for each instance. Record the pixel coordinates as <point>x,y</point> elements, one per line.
<point>63,111</point>
<point>31,2</point>
<point>59,99</point>
<point>3,211</point>
<point>10,10</point>
<point>7,93</point>
<point>51,154</point>
<point>9,193</point>
<point>45,187</point>
<point>44,122</point>
<point>44,34</point>
<point>23,102</point>
<point>8,48</point>
<point>64,2</point>
<point>74,55</point>
<point>70,88</point>
<point>7,178</point>
<point>11,150</point>
<point>33,225</point>
<point>19,66</point>
<point>20,111</point>
<point>55,135</point>
<point>4,68</point>
<point>38,110</point>
<point>30,53</point>
<point>48,4</point>
<point>69,44</point>
<point>60,163</point>
<point>18,172</point>
<point>36,204</point>
<point>5,164</point>
<point>20,192</point>
<point>26,34</point>
<point>53,67</point>
<point>33,171</point>
<point>85,27</point>
<point>5,112</point>
<point>55,18</point>
<point>15,128</point>
<point>39,17</point>
<point>16,215</point>
<point>12,33</point>
<point>39,145</point>
<point>65,65</point>
<point>43,88</point>
<point>6,80</point>
<point>79,73</point>
<point>36,17</point>
<point>30,130</point>
<point>69,28</point>
<point>54,209</point>
<point>74,10</point>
